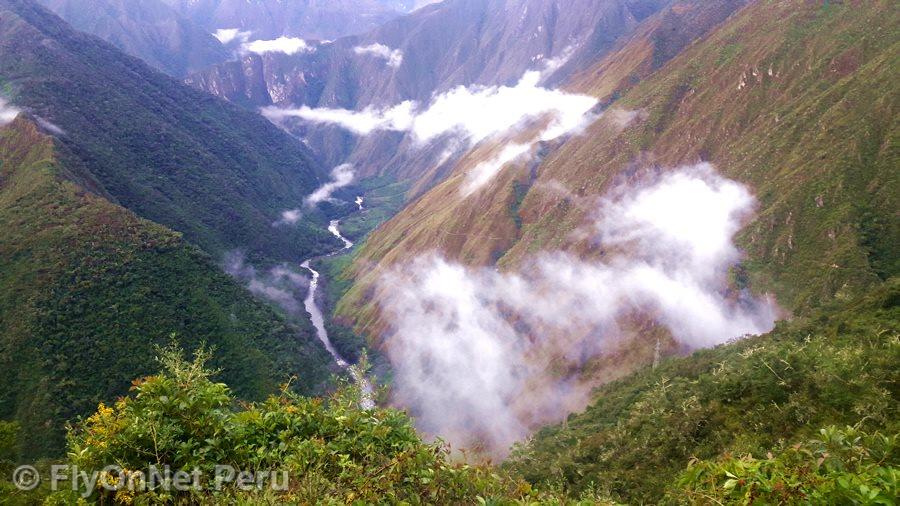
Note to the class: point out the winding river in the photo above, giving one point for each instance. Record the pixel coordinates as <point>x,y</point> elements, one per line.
<point>318,320</point>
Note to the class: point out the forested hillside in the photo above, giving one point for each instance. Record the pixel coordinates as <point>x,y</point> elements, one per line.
<point>184,159</point>
<point>87,289</point>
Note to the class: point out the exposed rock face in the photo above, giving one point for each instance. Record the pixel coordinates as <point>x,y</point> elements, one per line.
<point>444,45</point>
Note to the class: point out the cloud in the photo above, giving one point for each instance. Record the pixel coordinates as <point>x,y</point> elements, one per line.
<point>398,118</point>
<point>341,176</point>
<point>472,113</point>
<point>49,127</point>
<point>468,114</point>
<point>279,285</point>
<point>286,45</point>
<point>229,35</point>
<point>7,112</point>
<point>485,171</point>
<point>289,217</point>
<point>482,357</point>
<point>393,57</point>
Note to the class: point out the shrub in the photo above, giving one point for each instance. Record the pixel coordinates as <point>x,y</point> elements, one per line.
<point>843,466</point>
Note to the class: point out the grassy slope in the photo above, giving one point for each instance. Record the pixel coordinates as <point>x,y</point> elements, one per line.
<point>87,288</point>
<point>177,156</point>
<point>816,140</point>
<point>838,366</point>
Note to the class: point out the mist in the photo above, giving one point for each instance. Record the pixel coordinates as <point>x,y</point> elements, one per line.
<point>7,112</point>
<point>228,35</point>
<point>393,57</point>
<point>286,45</point>
<point>341,176</point>
<point>471,114</point>
<point>280,285</point>
<point>482,358</point>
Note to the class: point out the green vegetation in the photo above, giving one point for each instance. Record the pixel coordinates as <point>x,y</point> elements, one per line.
<point>836,367</point>
<point>332,451</point>
<point>797,101</point>
<point>87,288</point>
<point>174,155</point>
<point>384,197</point>
<point>843,466</point>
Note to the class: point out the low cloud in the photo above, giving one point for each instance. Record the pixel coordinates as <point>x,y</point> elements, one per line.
<point>393,57</point>
<point>286,45</point>
<point>290,217</point>
<point>398,118</point>
<point>228,35</point>
<point>341,176</point>
<point>7,112</point>
<point>485,171</point>
<point>49,127</point>
<point>473,113</point>
<point>468,114</point>
<point>482,358</point>
<point>279,285</point>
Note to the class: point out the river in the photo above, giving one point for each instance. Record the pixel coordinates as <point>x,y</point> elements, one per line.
<point>318,320</point>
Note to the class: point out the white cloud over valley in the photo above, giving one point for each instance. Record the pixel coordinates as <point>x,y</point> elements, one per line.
<point>393,57</point>
<point>478,354</point>
<point>341,176</point>
<point>7,112</point>
<point>286,45</point>
<point>229,35</point>
<point>473,114</point>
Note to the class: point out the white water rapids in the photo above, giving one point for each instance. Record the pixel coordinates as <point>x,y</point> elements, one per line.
<point>318,321</point>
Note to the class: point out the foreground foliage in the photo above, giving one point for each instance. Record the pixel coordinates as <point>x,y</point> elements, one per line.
<point>842,466</point>
<point>332,451</point>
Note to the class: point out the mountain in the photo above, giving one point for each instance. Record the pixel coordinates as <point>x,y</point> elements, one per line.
<point>270,19</point>
<point>87,289</point>
<point>647,435</point>
<point>434,49</point>
<point>744,97</point>
<point>219,174</point>
<point>451,43</point>
<point>147,29</point>
<point>530,276</point>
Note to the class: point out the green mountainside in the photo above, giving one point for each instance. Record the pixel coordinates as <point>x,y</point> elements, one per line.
<point>797,100</point>
<point>794,99</point>
<point>87,289</point>
<point>115,176</point>
<point>177,156</point>
<point>836,367</point>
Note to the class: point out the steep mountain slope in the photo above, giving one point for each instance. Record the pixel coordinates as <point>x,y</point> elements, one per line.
<point>456,42</point>
<point>171,154</point>
<point>270,19</point>
<point>838,367</point>
<point>87,289</point>
<point>791,98</point>
<point>439,47</point>
<point>147,29</point>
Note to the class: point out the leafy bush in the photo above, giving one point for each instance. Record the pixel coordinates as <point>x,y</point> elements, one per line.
<point>844,466</point>
<point>332,450</point>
